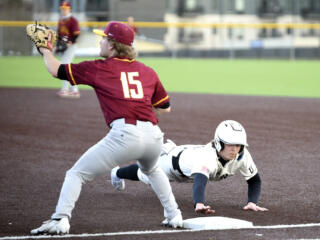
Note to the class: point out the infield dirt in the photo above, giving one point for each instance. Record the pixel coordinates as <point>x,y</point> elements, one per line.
<point>42,136</point>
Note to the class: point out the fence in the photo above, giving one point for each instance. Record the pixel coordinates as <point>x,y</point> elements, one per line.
<point>190,39</point>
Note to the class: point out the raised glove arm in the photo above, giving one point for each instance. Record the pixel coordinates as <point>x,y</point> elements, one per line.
<point>41,36</point>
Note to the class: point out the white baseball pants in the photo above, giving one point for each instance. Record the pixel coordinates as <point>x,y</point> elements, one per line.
<point>124,143</point>
<point>66,58</point>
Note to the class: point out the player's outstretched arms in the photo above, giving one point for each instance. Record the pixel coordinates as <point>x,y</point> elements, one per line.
<point>254,207</point>
<point>201,208</point>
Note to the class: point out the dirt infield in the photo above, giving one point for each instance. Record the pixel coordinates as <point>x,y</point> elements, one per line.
<point>42,136</point>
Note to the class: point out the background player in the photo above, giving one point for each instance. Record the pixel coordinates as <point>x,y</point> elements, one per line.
<point>217,160</point>
<point>131,24</point>
<point>127,91</point>
<point>68,32</point>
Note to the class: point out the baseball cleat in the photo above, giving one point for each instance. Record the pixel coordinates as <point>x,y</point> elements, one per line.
<point>53,226</point>
<point>68,94</point>
<point>176,222</point>
<point>74,94</point>
<point>165,222</point>
<point>63,93</point>
<point>116,182</point>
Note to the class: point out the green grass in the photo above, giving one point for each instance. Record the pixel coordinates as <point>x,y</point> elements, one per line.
<point>244,77</point>
<point>26,72</point>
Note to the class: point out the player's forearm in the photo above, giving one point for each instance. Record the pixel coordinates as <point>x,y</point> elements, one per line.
<point>50,61</point>
<point>254,188</point>
<point>159,111</point>
<point>199,186</point>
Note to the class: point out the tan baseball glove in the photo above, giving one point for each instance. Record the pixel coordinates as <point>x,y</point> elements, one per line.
<point>42,36</point>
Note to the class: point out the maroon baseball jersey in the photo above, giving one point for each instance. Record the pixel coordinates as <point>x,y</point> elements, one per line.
<point>135,29</point>
<point>125,88</point>
<point>69,28</point>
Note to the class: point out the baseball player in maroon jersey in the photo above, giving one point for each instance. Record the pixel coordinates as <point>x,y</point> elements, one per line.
<point>215,161</point>
<point>132,25</point>
<point>130,95</point>
<point>68,32</point>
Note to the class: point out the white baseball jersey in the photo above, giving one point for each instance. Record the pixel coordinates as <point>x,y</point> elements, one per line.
<point>202,159</point>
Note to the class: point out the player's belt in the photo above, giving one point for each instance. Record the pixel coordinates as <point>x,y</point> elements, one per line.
<point>122,121</point>
<point>175,164</point>
<point>130,121</point>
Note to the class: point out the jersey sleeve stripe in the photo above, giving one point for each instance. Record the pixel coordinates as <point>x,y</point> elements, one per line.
<point>72,78</point>
<point>162,100</point>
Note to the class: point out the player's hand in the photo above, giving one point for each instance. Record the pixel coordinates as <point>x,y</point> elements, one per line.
<point>201,208</point>
<point>254,207</point>
<point>43,50</point>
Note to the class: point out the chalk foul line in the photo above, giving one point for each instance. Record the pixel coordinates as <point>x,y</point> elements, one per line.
<point>84,235</point>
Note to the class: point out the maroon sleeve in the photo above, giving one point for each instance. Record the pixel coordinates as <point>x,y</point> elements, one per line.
<point>160,96</point>
<point>59,28</point>
<point>75,30</point>
<point>81,73</point>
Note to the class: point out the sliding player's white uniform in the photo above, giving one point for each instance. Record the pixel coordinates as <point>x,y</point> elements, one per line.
<point>201,159</point>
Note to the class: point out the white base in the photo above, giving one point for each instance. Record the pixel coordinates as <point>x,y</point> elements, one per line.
<point>216,223</point>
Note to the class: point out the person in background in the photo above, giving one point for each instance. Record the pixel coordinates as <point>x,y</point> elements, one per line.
<point>132,25</point>
<point>68,32</point>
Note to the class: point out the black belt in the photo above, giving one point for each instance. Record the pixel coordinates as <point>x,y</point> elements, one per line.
<point>175,164</point>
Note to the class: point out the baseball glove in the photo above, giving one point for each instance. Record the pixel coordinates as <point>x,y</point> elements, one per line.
<point>62,44</point>
<point>42,36</point>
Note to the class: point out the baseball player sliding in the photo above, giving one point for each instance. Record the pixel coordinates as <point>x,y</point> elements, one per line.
<point>130,95</point>
<point>217,160</point>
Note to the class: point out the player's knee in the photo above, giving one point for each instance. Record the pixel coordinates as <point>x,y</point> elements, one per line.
<point>74,174</point>
<point>148,171</point>
<point>142,177</point>
<point>168,146</point>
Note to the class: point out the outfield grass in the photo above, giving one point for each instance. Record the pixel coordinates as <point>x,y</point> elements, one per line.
<point>244,77</point>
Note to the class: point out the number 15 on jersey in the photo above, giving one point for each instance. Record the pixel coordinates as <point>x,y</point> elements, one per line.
<point>129,91</point>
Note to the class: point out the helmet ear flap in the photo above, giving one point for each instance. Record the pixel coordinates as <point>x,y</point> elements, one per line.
<point>241,149</point>
<point>222,145</point>
<point>219,145</point>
